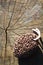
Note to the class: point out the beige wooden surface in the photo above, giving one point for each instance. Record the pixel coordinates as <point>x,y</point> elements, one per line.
<point>15,30</point>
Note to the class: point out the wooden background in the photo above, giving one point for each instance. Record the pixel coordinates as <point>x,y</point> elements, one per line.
<point>9,37</point>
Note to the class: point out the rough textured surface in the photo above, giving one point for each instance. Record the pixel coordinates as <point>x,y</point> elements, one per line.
<point>22,10</point>
<point>25,44</point>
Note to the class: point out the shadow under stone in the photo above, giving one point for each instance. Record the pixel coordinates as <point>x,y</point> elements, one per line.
<point>36,58</point>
